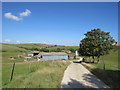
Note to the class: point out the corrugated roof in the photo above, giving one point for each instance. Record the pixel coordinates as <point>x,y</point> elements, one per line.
<point>47,53</point>
<point>34,52</point>
<point>51,53</point>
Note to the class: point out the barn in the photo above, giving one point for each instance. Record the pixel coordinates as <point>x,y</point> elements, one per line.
<point>53,56</point>
<point>49,55</point>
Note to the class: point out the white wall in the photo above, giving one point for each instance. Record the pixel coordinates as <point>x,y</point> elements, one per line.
<point>30,55</point>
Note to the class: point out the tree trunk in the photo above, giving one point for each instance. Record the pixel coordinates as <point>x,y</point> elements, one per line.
<point>103,65</point>
<point>93,59</point>
<point>98,59</point>
<point>89,59</point>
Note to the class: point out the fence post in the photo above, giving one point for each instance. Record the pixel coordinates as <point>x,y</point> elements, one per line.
<point>103,65</point>
<point>29,66</point>
<point>12,72</point>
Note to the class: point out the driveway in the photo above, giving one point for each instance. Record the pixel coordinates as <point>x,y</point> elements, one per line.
<point>77,76</point>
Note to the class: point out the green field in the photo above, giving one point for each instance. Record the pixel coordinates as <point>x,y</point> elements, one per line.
<point>47,74</point>
<point>71,48</point>
<point>110,60</point>
<point>12,51</point>
<point>111,73</point>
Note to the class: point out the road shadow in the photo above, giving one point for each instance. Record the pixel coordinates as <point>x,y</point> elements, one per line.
<point>75,84</point>
<point>88,62</point>
<point>81,62</point>
<point>109,77</point>
<point>95,83</point>
<point>76,61</point>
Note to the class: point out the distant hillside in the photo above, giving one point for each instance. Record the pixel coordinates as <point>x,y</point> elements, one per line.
<point>37,44</point>
<point>10,50</point>
<point>75,45</point>
<point>113,44</point>
<point>117,44</point>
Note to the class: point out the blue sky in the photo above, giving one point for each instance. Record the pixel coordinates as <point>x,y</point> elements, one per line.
<point>57,23</point>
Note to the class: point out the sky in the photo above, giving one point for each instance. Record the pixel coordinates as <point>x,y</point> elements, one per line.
<point>61,23</point>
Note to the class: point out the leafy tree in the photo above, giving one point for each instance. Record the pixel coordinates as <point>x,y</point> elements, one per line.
<point>58,50</point>
<point>55,45</point>
<point>96,43</point>
<point>44,50</point>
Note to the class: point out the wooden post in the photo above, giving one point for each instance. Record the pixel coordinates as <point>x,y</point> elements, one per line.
<point>29,66</point>
<point>38,64</point>
<point>12,72</point>
<point>103,65</point>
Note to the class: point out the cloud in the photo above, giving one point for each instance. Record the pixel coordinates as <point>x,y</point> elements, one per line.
<point>11,41</point>
<point>10,16</point>
<point>0,41</point>
<point>18,41</point>
<point>26,13</point>
<point>17,18</point>
<point>6,41</point>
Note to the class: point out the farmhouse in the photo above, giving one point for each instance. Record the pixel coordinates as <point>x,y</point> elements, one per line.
<point>49,55</point>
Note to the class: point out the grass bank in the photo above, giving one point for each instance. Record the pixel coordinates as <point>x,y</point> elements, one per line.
<point>109,77</point>
<point>9,50</point>
<point>110,60</point>
<point>46,74</point>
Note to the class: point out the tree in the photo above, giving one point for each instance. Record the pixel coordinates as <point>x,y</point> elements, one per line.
<point>96,43</point>
<point>44,50</point>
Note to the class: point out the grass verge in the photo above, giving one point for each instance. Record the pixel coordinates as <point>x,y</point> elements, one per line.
<point>46,74</point>
<point>109,77</point>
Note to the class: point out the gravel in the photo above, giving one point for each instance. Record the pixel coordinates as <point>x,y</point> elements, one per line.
<point>77,76</point>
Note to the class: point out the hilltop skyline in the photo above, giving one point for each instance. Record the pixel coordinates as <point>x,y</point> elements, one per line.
<point>57,23</point>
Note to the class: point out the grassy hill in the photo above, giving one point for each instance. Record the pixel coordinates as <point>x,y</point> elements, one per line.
<point>9,50</point>
<point>111,60</point>
<point>37,44</point>
<point>47,48</point>
<point>60,48</point>
<point>30,75</point>
<point>13,50</point>
<point>111,73</point>
<point>32,45</point>
<point>46,74</point>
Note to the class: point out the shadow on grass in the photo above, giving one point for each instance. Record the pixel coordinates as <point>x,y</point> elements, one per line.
<point>94,81</point>
<point>90,62</point>
<point>109,77</point>
<point>82,61</point>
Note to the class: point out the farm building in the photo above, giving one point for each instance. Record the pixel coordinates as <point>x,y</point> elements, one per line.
<point>49,55</point>
<point>53,56</point>
<point>33,53</point>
